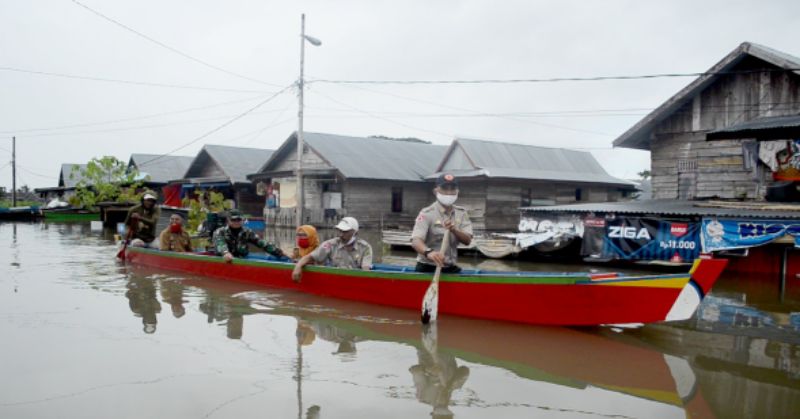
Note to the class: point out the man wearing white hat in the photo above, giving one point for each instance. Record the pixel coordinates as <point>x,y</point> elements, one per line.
<point>345,251</point>
<point>142,220</point>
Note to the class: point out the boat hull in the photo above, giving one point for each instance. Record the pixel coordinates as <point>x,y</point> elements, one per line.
<point>547,299</point>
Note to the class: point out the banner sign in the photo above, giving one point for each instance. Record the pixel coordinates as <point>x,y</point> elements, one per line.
<point>555,228</point>
<point>738,233</point>
<point>651,239</point>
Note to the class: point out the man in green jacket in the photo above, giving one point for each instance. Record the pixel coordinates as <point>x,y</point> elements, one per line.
<point>233,239</point>
<point>142,220</point>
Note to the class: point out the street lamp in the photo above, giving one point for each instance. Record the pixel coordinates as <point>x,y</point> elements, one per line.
<point>300,84</point>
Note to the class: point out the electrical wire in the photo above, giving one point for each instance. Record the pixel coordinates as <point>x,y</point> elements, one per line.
<point>174,50</point>
<point>138,127</point>
<point>551,79</point>
<point>34,173</point>
<point>240,116</point>
<point>135,118</point>
<point>273,123</point>
<point>544,124</point>
<point>383,118</point>
<point>132,82</point>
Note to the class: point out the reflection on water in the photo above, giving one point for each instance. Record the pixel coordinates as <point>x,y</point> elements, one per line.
<point>311,357</point>
<point>437,374</point>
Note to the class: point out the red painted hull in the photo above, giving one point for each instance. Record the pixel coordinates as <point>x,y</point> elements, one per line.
<point>535,300</point>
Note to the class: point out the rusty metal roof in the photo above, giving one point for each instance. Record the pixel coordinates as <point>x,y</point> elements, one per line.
<point>671,207</point>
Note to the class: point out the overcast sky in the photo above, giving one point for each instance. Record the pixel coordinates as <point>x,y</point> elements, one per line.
<point>254,45</point>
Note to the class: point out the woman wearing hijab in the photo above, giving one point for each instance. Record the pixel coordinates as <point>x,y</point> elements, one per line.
<point>307,241</point>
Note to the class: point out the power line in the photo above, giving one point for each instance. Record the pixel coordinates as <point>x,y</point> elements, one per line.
<point>176,51</point>
<point>138,127</point>
<point>34,173</point>
<point>549,80</point>
<point>135,118</point>
<point>132,82</point>
<point>479,112</point>
<point>383,118</point>
<point>242,115</point>
<point>273,123</point>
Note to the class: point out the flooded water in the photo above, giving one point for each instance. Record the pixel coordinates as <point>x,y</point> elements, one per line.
<point>85,336</point>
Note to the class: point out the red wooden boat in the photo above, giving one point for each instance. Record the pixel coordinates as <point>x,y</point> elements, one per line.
<point>524,297</point>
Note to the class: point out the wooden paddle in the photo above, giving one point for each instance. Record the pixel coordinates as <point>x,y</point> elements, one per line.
<point>430,303</point>
<point>128,235</point>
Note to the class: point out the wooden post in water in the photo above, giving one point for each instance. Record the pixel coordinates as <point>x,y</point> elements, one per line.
<point>13,171</point>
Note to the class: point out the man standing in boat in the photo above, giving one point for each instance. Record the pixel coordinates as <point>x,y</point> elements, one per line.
<point>433,221</point>
<point>346,251</point>
<point>142,219</point>
<point>233,239</point>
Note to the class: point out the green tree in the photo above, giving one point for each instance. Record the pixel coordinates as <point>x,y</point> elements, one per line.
<point>202,205</point>
<point>105,179</point>
<point>644,174</point>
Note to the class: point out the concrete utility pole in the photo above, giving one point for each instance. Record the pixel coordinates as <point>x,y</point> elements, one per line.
<point>300,84</point>
<point>13,171</point>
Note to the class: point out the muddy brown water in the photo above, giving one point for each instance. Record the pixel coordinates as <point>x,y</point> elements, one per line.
<point>85,336</point>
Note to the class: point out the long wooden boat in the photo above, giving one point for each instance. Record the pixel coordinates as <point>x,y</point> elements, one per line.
<point>525,297</point>
<point>70,214</point>
<point>20,213</point>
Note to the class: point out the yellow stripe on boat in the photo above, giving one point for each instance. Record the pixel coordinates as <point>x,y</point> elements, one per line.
<point>679,282</point>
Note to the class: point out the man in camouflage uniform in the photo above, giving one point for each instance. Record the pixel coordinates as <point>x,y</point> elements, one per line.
<point>346,251</point>
<point>142,219</point>
<point>433,221</point>
<point>232,240</point>
<point>174,238</point>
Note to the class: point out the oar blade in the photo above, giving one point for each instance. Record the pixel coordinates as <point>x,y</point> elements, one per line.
<point>430,303</point>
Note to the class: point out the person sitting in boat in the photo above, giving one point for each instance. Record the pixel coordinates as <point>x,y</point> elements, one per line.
<point>233,239</point>
<point>345,251</point>
<point>174,238</point>
<point>433,221</point>
<point>142,219</point>
<point>307,241</point>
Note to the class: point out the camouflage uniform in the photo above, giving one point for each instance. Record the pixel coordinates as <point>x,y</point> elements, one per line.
<point>226,240</point>
<point>429,228</point>
<point>175,242</point>
<point>335,253</point>
<point>146,230</point>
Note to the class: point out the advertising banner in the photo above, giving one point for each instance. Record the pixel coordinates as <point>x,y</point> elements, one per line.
<point>651,239</point>
<point>741,233</point>
<point>554,228</point>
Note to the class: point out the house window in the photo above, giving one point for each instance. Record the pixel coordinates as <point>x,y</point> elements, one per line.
<point>331,187</point>
<point>578,194</point>
<point>525,198</point>
<point>687,165</point>
<point>397,199</point>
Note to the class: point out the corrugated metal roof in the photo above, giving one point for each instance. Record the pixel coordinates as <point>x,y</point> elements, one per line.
<point>517,161</point>
<point>161,169</point>
<point>671,207</point>
<point>638,135</point>
<point>67,178</point>
<point>760,127</point>
<point>376,158</point>
<point>367,158</point>
<point>235,162</point>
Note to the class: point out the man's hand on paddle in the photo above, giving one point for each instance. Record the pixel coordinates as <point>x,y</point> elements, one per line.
<point>228,256</point>
<point>437,257</point>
